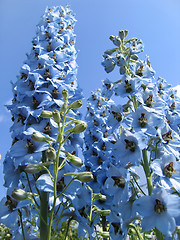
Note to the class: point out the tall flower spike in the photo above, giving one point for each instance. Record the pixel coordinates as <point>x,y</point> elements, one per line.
<point>49,69</point>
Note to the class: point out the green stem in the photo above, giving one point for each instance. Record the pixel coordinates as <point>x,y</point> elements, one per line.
<point>21,222</point>
<point>159,235</point>
<point>104,225</point>
<point>67,229</point>
<point>43,209</point>
<point>147,171</point>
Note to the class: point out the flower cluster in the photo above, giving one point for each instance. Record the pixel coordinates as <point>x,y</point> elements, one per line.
<point>142,134</point>
<point>49,69</point>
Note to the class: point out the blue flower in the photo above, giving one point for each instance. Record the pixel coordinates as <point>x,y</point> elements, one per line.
<point>158,210</point>
<point>168,169</point>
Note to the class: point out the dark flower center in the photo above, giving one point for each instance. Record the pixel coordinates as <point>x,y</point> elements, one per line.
<point>117,228</point>
<point>149,101</point>
<point>139,71</point>
<point>47,129</point>
<point>11,203</point>
<point>142,120</point>
<point>128,86</point>
<point>130,145</point>
<point>117,116</point>
<point>119,181</point>
<point>159,207</point>
<point>61,185</point>
<point>169,170</point>
<point>167,136</point>
<point>30,146</point>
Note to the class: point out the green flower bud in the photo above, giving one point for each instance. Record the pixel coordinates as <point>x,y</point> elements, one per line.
<point>76,161</point>
<point>103,212</point>
<point>46,114</point>
<point>32,168</point>
<point>56,116</point>
<point>65,94</point>
<point>82,176</point>
<point>51,153</point>
<point>123,34</point>
<point>80,127</point>
<point>19,194</point>
<point>99,196</point>
<point>76,104</point>
<point>63,107</point>
<point>110,51</point>
<point>134,57</point>
<point>38,137</point>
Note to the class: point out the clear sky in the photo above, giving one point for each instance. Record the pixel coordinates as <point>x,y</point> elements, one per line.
<point>156,22</point>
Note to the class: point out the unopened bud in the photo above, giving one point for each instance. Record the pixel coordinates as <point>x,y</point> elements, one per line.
<point>65,94</point>
<point>99,196</point>
<point>134,57</point>
<point>76,104</point>
<point>110,51</point>
<point>19,194</point>
<point>80,127</point>
<point>56,116</point>
<point>123,34</point>
<point>74,160</point>
<point>38,137</point>
<point>46,114</point>
<point>116,40</point>
<point>32,168</point>
<point>103,212</point>
<point>82,176</point>
<point>51,153</point>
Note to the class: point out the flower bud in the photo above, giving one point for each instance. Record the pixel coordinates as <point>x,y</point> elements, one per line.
<point>123,34</point>
<point>56,116</point>
<point>110,51</point>
<point>103,212</point>
<point>32,168</point>
<point>82,176</point>
<point>19,194</point>
<point>65,94</point>
<point>51,153</point>
<point>116,40</point>
<point>38,137</point>
<point>76,161</point>
<point>134,57</point>
<point>76,104</point>
<point>99,196</point>
<point>80,127</point>
<point>46,114</point>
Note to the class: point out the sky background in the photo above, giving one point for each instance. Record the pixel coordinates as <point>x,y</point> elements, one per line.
<point>156,22</point>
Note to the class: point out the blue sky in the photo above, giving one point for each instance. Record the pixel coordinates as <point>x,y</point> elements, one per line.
<point>156,22</point>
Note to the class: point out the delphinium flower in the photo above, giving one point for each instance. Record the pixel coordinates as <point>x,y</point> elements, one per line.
<point>159,210</point>
<point>49,69</point>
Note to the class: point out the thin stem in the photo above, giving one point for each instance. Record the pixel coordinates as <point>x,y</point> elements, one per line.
<point>147,171</point>
<point>44,198</point>
<point>29,184</point>
<point>140,237</point>
<point>65,188</point>
<point>21,222</point>
<point>67,229</point>
<point>138,186</point>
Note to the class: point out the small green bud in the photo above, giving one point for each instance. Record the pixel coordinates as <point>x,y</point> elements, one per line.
<point>46,114</point>
<point>110,51</point>
<point>134,57</point>
<point>74,159</point>
<point>56,116</point>
<point>51,153</point>
<point>80,127</point>
<point>32,168</point>
<point>38,137</point>
<point>116,40</point>
<point>63,107</point>
<point>103,212</point>
<point>123,34</point>
<point>65,94</point>
<point>99,196</point>
<point>76,104</point>
<point>19,194</point>
<point>82,176</point>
